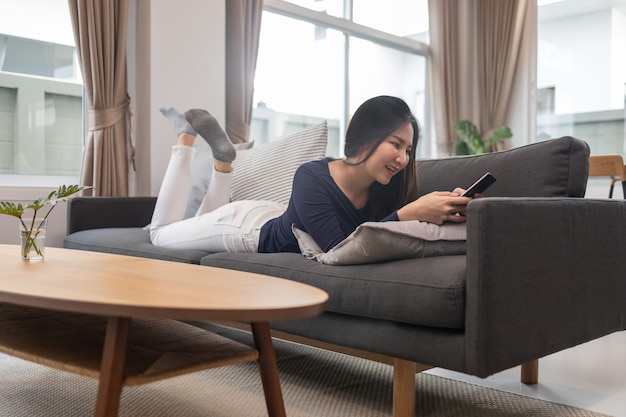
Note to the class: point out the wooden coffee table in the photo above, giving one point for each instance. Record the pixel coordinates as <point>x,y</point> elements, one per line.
<point>115,317</point>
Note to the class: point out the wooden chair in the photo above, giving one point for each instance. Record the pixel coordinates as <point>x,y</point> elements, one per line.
<point>609,166</point>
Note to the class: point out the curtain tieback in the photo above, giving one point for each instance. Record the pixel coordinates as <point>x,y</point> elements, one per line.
<point>102,118</point>
<point>131,136</point>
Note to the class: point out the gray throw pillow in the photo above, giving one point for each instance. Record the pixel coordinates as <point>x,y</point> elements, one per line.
<point>387,241</point>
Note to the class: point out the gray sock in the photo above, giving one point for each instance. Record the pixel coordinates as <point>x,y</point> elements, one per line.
<point>181,125</point>
<point>207,126</point>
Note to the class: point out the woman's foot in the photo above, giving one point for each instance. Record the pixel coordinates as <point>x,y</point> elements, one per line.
<point>180,124</point>
<point>207,126</point>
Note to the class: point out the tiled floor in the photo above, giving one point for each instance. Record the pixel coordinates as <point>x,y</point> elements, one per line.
<point>590,376</point>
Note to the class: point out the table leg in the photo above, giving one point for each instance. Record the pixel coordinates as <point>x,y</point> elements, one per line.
<point>112,367</point>
<point>269,369</point>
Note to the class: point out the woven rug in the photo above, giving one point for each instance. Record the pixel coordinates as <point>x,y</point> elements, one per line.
<point>314,382</point>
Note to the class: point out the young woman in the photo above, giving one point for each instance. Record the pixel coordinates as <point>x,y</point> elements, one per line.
<point>376,181</point>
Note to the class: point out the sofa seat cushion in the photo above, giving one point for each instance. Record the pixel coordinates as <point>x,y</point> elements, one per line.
<point>133,241</point>
<point>422,291</point>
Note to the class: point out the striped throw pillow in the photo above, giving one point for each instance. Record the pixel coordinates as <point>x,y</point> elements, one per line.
<point>266,172</point>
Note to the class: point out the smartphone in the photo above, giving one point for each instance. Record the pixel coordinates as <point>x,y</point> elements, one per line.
<point>480,185</point>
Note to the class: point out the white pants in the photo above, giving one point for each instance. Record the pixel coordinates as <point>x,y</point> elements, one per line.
<point>219,225</point>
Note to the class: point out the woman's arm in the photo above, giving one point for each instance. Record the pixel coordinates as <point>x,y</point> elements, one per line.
<point>436,207</point>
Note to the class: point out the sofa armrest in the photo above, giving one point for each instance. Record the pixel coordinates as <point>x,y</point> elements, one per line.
<point>84,213</point>
<point>543,275</point>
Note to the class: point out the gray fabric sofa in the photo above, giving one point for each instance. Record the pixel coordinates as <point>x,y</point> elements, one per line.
<point>544,270</point>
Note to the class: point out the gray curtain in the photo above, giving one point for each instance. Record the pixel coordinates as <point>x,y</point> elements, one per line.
<point>100,33</point>
<point>243,27</point>
<point>474,52</point>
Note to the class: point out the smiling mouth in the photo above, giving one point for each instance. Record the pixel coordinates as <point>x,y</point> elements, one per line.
<point>392,170</point>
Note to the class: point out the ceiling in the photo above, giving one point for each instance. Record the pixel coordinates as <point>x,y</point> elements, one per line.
<point>564,8</point>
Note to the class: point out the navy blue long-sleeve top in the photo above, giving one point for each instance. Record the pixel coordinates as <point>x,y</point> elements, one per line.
<point>318,207</point>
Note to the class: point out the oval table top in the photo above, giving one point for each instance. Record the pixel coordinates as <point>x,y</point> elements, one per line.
<point>127,286</point>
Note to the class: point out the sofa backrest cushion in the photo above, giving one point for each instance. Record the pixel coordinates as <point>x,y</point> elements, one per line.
<point>553,168</point>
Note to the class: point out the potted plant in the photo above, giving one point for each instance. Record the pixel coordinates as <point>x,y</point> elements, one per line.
<point>33,229</point>
<point>470,140</point>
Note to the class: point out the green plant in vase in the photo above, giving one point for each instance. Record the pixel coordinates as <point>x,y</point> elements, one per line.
<point>33,230</point>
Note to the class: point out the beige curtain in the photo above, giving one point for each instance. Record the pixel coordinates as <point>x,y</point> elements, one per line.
<point>100,35</point>
<point>243,27</point>
<point>499,39</point>
<point>474,50</point>
<point>446,60</point>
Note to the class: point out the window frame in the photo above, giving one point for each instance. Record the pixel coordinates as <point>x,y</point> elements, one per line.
<point>352,29</point>
<point>27,186</point>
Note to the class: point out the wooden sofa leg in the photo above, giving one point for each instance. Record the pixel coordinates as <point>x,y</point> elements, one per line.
<point>403,388</point>
<point>530,372</point>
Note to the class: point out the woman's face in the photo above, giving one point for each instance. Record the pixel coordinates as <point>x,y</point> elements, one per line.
<point>391,156</point>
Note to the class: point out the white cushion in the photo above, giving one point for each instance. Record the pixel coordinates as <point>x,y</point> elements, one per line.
<point>386,241</point>
<point>266,172</point>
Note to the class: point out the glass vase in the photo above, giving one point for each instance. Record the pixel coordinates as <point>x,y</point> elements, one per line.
<point>33,238</point>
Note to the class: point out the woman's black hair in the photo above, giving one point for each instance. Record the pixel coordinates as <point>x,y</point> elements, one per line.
<point>371,124</point>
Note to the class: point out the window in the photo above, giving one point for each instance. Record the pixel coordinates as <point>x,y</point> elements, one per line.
<point>581,74</point>
<point>299,78</point>
<point>41,111</point>
<point>317,63</point>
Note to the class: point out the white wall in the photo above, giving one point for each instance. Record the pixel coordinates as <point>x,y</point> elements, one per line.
<point>178,60</point>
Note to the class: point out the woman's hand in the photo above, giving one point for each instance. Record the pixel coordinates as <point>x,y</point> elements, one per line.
<point>437,207</point>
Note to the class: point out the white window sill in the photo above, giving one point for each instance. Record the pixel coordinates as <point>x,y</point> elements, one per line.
<point>30,187</point>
